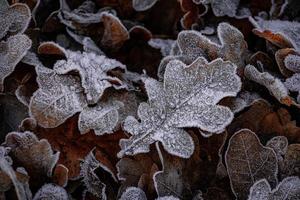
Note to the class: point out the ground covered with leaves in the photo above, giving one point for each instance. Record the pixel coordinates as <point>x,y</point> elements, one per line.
<point>149,99</point>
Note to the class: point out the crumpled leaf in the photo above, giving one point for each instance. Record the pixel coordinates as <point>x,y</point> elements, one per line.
<point>51,192</point>
<point>5,166</point>
<point>281,33</point>
<point>115,33</point>
<point>248,161</point>
<point>280,57</point>
<point>14,19</point>
<point>58,98</point>
<point>232,45</point>
<point>107,116</point>
<point>142,5</point>
<point>291,162</point>
<point>35,155</point>
<point>90,179</point>
<point>288,188</point>
<point>273,84</point>
<point>11,53</point>
<point>93,71</point>
<point>178,103</point>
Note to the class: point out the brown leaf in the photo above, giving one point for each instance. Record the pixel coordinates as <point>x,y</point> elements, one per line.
<point>291,162</point>
<point>280,56</point>
<point>60,175</point>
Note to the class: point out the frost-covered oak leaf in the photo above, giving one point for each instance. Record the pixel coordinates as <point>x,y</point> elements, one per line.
<point>248,161</point>
<point>11,53</point>
<point>187,98</point>
<point>93,72</point>
<point>58,98</point>
<point>14,19</point>
<point>51,192</point>
<point>232,45</point>
<point>281,33</point>
<point>287,189</point>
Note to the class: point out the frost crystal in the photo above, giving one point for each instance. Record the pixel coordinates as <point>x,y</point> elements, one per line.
<point>142,5</point>
<point>288,188</point>
<point>248,161</point>
<point>11,53</point>
<point>292,62</point>
<point>133,193</point>
<point>14,19</point>
<point>232,45</point>
<point>187,98</point>
<point>93,72</point>
<point>274,85</point>
<point>51,192</point>
<point>58,98</point>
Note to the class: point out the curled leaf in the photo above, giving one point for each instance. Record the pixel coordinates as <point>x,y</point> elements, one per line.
<point>248,161</point>
<point>273,84</point>
<point>178,103</point>
<point>288,188</point>
<point>11,53</point>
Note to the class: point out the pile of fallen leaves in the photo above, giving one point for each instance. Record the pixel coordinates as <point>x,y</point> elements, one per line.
<point>149,99</point>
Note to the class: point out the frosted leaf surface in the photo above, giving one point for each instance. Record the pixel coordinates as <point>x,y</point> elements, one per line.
<point>142,5</point>
<point>107,116</point>
<point>133,193</point>
<point>224,7</point>
<point>244,99</point>
<point>279,144</point>
<point>273,84</point>
<point>292,62</point>
<point>179,103</point>
<point>90,179</point>
<point>293,84</point>
<point>165,45</point>
<point>281,33</point>
<point>115,33</point>
<point>51,192</point>
<point>11,53</point>
<point>14,19</point>
<point>93,72</point>
<point>291,163</point>
<point>288,189</point>
<point>248,161</point>
<point>58,98</point>
<point>232,45</point>
<point>35,155</point>
<point>167,198</point>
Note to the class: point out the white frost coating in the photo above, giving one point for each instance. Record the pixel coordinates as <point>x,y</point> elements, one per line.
<point>167,198</point>
<point>11,53</point>
<point>232,45</point>
<point>289,30</point>
<point>292,62</point>
<point>93,72</point>
<point>103,118</point>
<point>133,193</point>
<point>248,161</point>
<point>287,189</point>
<point>142,5</point>
<point>280,145</point>
<point>187,98</point>
<point>14,19</point>
<point>293,84</point>
<point>51,192</point>
<point>165,45</point>
<point>243,100</point>
<point>224,7</point>
<point>273,84</point>
<point>58,98</point>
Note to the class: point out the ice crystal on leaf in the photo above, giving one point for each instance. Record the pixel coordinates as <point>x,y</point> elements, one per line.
<point>280,145</point>
<point>187,98</point>
<point>11,53</point>
<point>14,19</point>
<point>142,5</point>
<point>288,188</point>
<point>133,193</point>
<point>292,62</point>
<point>291,162</point>
<point>223,7</point>
<point>248,161</point>
<point>93,72</point>
<point>232,45</point>
<point>58,98</point>
<point>51,192</point>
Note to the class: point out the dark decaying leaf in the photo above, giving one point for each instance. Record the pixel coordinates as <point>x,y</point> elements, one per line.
<point>291,162</point>
<point>248,161</point>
